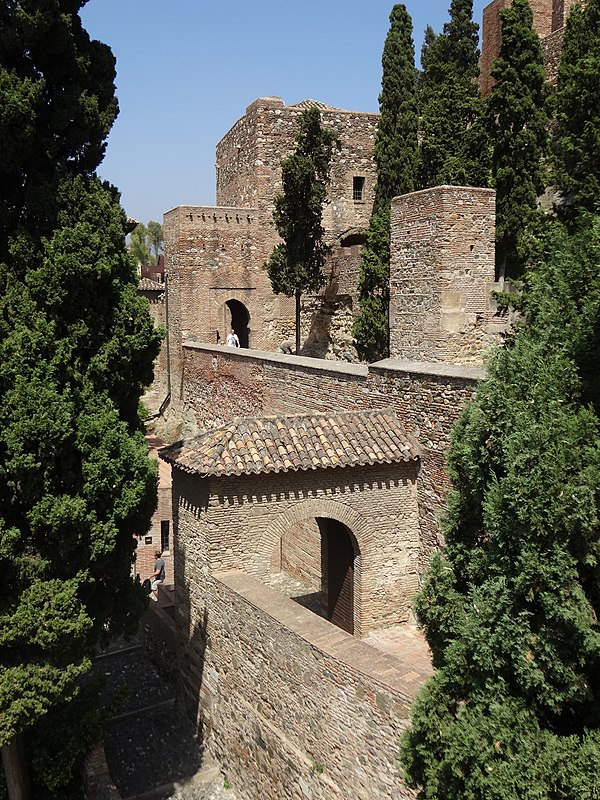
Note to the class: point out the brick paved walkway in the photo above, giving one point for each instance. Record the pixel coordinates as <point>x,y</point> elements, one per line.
<point>405,642</point>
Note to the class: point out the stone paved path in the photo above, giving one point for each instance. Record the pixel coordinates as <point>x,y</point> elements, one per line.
<point>152,749</point>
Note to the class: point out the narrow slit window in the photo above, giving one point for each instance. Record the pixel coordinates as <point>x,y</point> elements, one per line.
<point>358,188</point>
<point>165,534</point>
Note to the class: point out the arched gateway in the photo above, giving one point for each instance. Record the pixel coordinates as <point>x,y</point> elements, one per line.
<point>327,501</point>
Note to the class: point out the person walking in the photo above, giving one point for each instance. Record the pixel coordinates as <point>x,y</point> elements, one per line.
<point>158,576</point>
<point>232,339</point>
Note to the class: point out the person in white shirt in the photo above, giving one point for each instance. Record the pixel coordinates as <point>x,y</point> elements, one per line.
<point>232,339</point>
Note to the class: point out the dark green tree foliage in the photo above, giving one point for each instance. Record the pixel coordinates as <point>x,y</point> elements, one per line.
<point>395,156</point>
<point>510,608</point>
<point>76,350</point>
<point>518,126</point>
<point>577,129</point>
<point>454,148</point>
<point>296,264</point>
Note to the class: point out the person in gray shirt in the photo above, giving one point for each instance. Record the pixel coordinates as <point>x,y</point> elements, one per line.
<point>158,576</point>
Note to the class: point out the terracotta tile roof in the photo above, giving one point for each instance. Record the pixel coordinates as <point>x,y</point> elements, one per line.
<point>314,104</point>
<point>148,285</point>
<point>291,443</point>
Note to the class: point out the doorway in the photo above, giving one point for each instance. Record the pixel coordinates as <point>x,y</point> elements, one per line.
<point>337,557</point>
<point>240,318</point>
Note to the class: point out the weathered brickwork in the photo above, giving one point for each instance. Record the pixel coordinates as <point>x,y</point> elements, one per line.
<point>549,18</point>
<point>155,294</point>
<point>214,255</point>
<point>222,384</point>
<point>442,274</point>
<point>289,703</point>
<point>249,160</point>
<point>291,707</point>
<point>240,522</point>
<point>552,45</point>
<point>161,525</point>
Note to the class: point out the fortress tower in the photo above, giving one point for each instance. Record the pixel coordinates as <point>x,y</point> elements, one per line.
<point>549,20</point>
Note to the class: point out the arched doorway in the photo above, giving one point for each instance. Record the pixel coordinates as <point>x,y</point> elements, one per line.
<point>338,554</point>
<point>240,318</point>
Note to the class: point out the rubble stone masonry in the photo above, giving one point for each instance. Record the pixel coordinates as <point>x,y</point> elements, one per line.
<point>240,522</point>
<point>291,706</point>
<point>249,160</point>
<point>214,255</point>
<point>442,274</point>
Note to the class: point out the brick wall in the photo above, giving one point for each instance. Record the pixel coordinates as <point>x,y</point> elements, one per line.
<point>150,541</point>
<point>549,16</point>
<point>215,254</point>
<point>246,522</point>
<point>157,306</point>
<point>291,707</point>
<point>442,274</point>
<point>221,384</point>
<point>552,52</point>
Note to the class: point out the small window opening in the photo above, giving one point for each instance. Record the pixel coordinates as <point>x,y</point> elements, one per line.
<point>358,188</point>
<point>165,525</point>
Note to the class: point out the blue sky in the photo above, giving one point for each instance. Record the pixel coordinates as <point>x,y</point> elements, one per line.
<point>187,69</point>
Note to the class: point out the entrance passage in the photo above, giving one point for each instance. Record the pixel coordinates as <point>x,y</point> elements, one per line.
<point>338,573</point>
<point>240,317</point>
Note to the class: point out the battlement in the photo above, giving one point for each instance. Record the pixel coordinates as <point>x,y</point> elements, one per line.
<point>212,216</point>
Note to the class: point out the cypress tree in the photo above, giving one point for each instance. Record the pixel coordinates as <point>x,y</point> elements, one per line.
<point>510,608</point>
<point>396,160</point>
<point>576,142</point>
<point>518,125</point>
<point>76,349</point>
<point>453,146</point>
<point>296,264</point>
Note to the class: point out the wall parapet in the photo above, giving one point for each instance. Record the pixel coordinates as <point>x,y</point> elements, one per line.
<point>290,704</point>
<point>380,668</point>
<point>301,362</point>
<point>463,371</point>
<point>201,215</point>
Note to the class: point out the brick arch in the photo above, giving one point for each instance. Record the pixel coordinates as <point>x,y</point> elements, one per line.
<point>360,534</point>
<point>240,319</point>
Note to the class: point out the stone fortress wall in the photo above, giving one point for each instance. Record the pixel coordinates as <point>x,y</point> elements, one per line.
<point>441,237</point>
<point>249,160</point>
<point>206,250</point>
<point>442,275</point>
<point>549,20</point>
<point>290,705</point>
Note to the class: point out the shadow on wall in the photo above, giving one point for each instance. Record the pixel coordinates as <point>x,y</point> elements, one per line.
<point>316,343</point>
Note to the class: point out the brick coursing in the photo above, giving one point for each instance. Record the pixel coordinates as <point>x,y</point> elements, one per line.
<point>441,275</point>
<point>222,384</point>
<point>215,254</point>
<point>157,306</point>
<point>239,521</point>
<point>291,706</point>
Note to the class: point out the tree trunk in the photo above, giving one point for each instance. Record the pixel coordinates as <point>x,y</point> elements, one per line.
<point>297,323</point>
<point>15,770</point>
